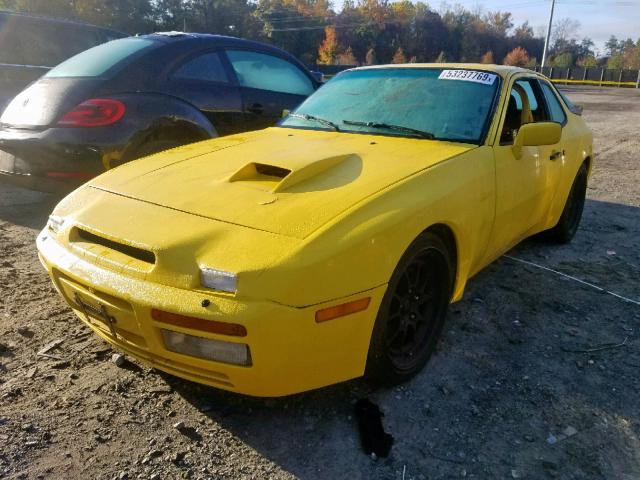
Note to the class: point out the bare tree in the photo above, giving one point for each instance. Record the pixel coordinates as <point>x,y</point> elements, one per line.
<point>564,30</point>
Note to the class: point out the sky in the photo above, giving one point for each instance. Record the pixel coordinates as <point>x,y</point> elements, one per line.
<point>599,19</point>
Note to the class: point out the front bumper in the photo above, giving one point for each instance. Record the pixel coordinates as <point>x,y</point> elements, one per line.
<point>290,352</point>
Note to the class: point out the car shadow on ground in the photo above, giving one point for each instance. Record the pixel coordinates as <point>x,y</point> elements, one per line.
<point>513,372</point>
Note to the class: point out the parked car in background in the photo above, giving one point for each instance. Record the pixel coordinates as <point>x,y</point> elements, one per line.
<point>31,45</point>
<point>139,95</point>
<point>277,261</point>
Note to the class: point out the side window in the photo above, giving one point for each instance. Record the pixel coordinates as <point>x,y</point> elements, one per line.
<point>555,109</point>
<point>526,105</point>
<point>207,67</point>
<point>265,72</point>
<point>535,98</point>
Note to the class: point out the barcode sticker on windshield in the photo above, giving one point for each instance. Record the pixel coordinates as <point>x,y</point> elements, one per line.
<point>468,76</point>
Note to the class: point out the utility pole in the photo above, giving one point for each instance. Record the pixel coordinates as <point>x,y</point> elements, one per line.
<point>548,37</point>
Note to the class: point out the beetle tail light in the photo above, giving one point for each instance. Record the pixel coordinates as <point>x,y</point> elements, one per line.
<point>97,112</point>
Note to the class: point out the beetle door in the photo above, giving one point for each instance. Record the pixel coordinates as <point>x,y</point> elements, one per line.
<point>268,85</point>
<point>205,82</point>
<point>525,185</point>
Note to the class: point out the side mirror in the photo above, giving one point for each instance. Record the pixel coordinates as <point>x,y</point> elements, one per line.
<point>317,75</point>
<point>285,113</point>
<point>535,134</point>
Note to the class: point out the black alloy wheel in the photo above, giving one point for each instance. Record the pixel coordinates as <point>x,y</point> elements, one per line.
<point>569,222</point>
<point>412,312</point>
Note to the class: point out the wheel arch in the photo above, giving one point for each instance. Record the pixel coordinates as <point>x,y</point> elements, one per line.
<point>588,162</point>
<point>167,129</point>
<point>161,116</point>
<point>448,236</point>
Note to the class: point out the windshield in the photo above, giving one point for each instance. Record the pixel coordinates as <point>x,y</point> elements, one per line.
<point>413,102</point>
<point>97,60</point>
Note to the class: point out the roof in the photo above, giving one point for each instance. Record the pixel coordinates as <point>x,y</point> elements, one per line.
<point>502,70</point>
<point>223,41</point>
<point>181,36</point>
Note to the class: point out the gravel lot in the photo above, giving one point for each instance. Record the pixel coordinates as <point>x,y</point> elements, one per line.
<point>536,375</point>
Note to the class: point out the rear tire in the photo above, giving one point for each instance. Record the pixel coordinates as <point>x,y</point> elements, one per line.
<point>569,222</point>
<point>412,312</point>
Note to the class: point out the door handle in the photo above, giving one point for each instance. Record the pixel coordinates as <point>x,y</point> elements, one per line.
<point>256,108</point>
<point>555,154</point>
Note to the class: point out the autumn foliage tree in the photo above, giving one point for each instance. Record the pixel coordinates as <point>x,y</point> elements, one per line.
<point>328,50</point>
<point>487,58</point>
<point>399,56</point>
<point>361,32</point>
<point>370,58</point>
<point>347,58</point>
<point>518,57</point>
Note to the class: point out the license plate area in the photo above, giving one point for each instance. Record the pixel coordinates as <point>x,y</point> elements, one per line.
<point>97,312</point>
<point>110,314</point>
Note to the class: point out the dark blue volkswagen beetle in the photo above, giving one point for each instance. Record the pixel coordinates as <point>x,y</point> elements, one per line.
<point>135,96</point>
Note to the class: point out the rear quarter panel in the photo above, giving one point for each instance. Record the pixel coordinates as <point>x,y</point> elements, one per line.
<point>578,146</point>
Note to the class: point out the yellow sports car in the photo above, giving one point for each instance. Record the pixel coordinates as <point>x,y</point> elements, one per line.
<point>330,246</point>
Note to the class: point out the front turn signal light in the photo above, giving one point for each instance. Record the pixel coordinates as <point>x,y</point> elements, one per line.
<point>342,310</point>
<point>209,326</point>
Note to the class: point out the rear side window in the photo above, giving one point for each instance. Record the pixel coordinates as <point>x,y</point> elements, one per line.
<point>97,60</point>
<point>555,109</point>
<point>265,72</point>
<point>207,67</point>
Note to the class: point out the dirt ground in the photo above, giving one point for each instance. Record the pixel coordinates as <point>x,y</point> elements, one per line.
<point>536,375</point>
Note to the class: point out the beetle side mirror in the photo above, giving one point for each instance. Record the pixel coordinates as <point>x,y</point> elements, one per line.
<point>285,113</point>
<point>537,134</point>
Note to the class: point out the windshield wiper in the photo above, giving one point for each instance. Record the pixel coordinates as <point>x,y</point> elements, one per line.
<point>388,126</point>
<point>306,116</point>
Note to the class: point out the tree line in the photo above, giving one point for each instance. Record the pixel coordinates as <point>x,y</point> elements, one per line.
<point>363,32</point>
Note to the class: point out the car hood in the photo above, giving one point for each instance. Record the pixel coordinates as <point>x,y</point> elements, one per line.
<point>283,181</point>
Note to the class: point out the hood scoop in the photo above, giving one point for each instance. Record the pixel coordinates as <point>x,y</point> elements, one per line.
<point>278,178</point>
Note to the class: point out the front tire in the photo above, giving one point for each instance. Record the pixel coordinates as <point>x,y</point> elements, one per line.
<point>412,312</point>
<point>569,222</point>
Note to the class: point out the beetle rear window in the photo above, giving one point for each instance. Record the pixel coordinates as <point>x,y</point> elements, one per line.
<point>96,61</point>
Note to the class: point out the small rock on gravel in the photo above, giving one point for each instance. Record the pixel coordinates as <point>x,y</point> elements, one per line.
<point>118,359</point>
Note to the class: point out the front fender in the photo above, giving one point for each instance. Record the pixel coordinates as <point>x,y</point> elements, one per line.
<point>360,249</point>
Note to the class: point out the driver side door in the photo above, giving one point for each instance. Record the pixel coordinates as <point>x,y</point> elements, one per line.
<point>524,184</point>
